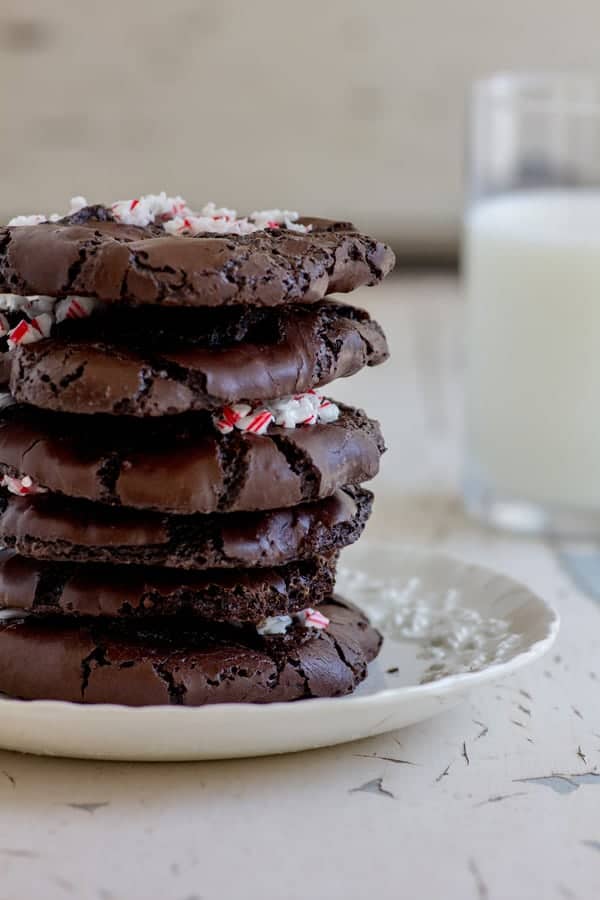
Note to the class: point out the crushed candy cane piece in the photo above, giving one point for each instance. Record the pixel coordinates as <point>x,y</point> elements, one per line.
<point>28,220</point>
<point>43,324</point>
<point>23,333</point>
<point>306,618</point>
<point>144,210</point>
<point>297,410</point>
<point>21,486</point>
<point>75,308</point>
<point>312,618</point>
<point>42,312</point>
<point>176,217</point>
<point>274,625</point>
<point>303,409</point>
<point>211,211</point>
<point>26,332</point>
<point>300,409</point>
<point>275,218</point>
<point>192,224</point>
<point>256,423</point>
<point>38,303</point>
<point>231,415</point>
<point>328,412</point>
<point>76,204</point>
<point>19,333</point>
<point>12,302</point>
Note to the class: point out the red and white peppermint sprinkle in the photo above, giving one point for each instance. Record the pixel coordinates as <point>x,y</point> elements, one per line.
<point>32,305</point>
<point>192,224</point>
<point>275,218</point>
<point>21,486</point>
<point>23,333</point>
<point>36,304</point>
<point>42,312</point>
<point>306,618</point>
<point>29,332</point>
<point>149,208</point>
<point>328,412</point>
<point>13,302</point>
<point>256,423</point>
<point>299,409</point>
<point>28,220</point>
<point>274,625</point>
<point>74,308</point>
<point>176,217</point>
<point>43,324</point>
<point>76,204</point>
<point>312,618</point>
<point>244,418</point>
<point>231,415</point>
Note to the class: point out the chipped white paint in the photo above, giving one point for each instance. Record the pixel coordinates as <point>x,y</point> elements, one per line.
<point>476,813</point>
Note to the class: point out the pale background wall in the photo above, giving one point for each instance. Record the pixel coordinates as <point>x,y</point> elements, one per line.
<point>342,106</point>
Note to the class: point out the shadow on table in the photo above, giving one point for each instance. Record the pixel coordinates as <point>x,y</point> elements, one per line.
<point>37,785</point>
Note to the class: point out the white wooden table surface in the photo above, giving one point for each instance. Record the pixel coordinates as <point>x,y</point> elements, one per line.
<point>500,801</point>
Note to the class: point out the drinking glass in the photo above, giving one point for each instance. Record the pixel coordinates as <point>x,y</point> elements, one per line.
<point>532,273</point>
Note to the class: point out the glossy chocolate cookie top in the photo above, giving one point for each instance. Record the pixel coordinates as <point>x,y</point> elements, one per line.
<point>185,465</point>
<point>55,659</point>
<point>50,527</point>
<point>156,362</point>
<point>95,252</point>
<point>237,596</point>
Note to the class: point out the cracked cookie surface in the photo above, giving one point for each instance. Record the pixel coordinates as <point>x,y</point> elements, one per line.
<point>217,595</point>
<point>150,368</point>
<point>97,663</point>
<point>48,527</point>
<point>183,465</point>
<point>89,254</point>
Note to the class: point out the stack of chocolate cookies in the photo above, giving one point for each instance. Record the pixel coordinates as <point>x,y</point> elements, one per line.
<point>176,488</point>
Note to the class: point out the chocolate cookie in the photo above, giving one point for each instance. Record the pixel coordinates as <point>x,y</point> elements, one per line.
<point>155,371</point>
<point>99,663</point>
<point>217,595</point>
<point>92,256</point>
<point>156,329</point>
<point>184,465</point>
<point>49,527</point>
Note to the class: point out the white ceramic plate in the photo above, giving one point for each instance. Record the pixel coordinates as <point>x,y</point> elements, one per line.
<point>448,627</point>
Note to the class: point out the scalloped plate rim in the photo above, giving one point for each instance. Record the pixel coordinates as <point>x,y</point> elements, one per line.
<point>442,686</point>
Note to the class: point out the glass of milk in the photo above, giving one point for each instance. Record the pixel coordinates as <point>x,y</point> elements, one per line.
<point>532,273</point>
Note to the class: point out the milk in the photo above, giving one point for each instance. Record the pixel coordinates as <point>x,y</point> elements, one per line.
<point>533,384</point>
